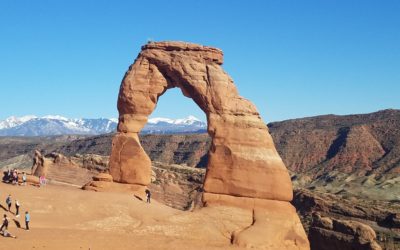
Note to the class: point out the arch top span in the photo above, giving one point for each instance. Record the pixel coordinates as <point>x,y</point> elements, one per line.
<point>243,161</point>
<point>199,51</point>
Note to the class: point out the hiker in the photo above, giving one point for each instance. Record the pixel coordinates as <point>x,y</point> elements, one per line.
<point>27,220</point>
<point>12,177</point>
<point>17,205</point>
<point>24,178</point>
<point>9,176</point>
<point>5,223</point>
<point>42,180</point>
<point>6,177</point>
<point>9,201</point>
<point>15,177</point>
<point>6,233</point>
<point>148,195</point>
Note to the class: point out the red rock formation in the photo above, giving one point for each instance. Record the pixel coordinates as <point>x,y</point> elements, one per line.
<point>330,234</point>
<point>353,144</point>
<point>60,168</point>
<point>243,161</point>
<point>40,166</point>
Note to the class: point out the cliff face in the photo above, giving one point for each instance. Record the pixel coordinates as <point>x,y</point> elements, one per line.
<point>353,144</point>
<point>190,150</point>
<point>349,166</point>
<point>183,149</point>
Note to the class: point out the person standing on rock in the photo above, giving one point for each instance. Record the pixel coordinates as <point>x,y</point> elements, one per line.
<point>24,178</point>
<point>42,180</point>
<point>9,201</point>
<point>8,175</point>
<point>5,223</point>
<point>17,205</point>
<point>16,179</point>
<point>148,195</point>
<point>13,177</point>
<point>27,220</point>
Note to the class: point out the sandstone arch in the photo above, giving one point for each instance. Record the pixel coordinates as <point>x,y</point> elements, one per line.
<point>244,168</point>
<point>242,160</point>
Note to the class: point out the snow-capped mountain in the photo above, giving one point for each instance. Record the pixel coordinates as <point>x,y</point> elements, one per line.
<point>15,121</point>
<point>169,126</point>
<point>58,125</point>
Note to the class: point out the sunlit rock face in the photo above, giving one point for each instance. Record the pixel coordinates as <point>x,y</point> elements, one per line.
<point>244,168</point>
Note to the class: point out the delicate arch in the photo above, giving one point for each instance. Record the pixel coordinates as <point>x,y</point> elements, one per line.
<point>243,160</point>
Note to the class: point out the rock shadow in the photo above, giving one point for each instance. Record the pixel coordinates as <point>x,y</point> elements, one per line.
<point>203,161</point>
<point>137,197</point>
<point>338,143</point>
<point>5,209</point>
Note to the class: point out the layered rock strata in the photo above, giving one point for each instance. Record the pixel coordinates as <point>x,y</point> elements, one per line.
<point>75,170</point>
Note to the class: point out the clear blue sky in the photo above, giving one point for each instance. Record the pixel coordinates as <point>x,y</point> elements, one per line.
<point>291,58</point>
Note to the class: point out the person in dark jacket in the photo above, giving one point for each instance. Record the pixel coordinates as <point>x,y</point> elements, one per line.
<point>5,223</point>
<point>9,201</point>
<point>148,195</point>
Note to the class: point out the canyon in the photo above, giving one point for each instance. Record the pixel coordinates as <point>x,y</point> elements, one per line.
<point>371,196</point>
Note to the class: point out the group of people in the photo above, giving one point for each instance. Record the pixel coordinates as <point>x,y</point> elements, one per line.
<point>4,226</point>
<point>12,176</point>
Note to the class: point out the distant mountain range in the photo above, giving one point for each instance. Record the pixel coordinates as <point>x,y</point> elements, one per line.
<point>58,125</point>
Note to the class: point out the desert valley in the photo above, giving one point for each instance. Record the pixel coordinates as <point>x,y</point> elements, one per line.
<point>227,188</point>
<point>366,191</point>
<point>269,125</point>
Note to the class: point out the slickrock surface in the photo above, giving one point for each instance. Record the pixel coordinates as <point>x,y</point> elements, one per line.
<point>181,187</point>
<point>242,162</point>
<point>67,218</point>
